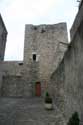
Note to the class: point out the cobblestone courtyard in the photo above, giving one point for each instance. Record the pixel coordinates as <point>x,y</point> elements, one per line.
<point>25,111</point>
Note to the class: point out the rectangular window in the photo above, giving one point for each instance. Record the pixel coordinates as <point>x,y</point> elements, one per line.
<point>34,57</point>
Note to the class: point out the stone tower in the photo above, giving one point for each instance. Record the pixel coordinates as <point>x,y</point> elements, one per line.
<point>3,36</point>
<point>45,44</point>
<point>44,49</point>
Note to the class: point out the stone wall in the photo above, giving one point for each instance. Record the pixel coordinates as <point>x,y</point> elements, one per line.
<point>78,19</point>
<point>16,79</point>
<point>73,71</point>
<point>3,36</point>
<point>67,80</point>
<point>74,74</point>
<point>74,68</point>
<point>16,86</point>
<point>17,76</point>
<point>49,43</point>
<point>56,86</point>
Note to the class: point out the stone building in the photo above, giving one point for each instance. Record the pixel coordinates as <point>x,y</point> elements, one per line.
<point>44,48</point>
<point>3,36</point>
<point>53,64</point>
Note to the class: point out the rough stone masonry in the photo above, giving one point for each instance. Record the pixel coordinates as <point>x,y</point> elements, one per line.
<point>68,77</point>
<point>44,62</point>
<point>44,48</point>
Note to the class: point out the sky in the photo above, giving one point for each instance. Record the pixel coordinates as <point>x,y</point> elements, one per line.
<point>17,13</point>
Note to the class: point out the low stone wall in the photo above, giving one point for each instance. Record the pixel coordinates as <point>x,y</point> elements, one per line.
<point>16,86</point>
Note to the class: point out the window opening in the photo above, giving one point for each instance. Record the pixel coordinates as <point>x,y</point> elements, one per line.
<point>34,57</point>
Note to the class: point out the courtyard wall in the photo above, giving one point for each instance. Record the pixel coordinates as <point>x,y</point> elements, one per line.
<point>73,71</point>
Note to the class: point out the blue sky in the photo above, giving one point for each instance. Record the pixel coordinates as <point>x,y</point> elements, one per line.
<point>17,13</point>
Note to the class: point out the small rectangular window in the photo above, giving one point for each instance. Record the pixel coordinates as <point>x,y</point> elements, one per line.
<point>34,57</point>
<point>20,63</point>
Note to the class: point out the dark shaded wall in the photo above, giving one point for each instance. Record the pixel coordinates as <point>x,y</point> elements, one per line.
<point>57,86</point>
<point>3,37</point>
<point>74,74</point>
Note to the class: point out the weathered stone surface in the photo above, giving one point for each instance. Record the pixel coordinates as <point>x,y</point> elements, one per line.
<point>63,79</point>
<point>26,111</point>
<point>46,41</point>
<point>57,86</point>
<point>49,42</point>
<point>77,21</point>
<point>73,71</point>
<point>17,86</point>
<point>74,74</point>
<point>73,60</point>
<point>3,36</point>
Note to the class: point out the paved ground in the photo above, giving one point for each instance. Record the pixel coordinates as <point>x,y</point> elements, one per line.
<point>25,111</point>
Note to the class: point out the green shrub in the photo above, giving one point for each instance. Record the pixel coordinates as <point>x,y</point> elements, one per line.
<point>74,120</point>
<point>48,99</point>
<point>46,94</point>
